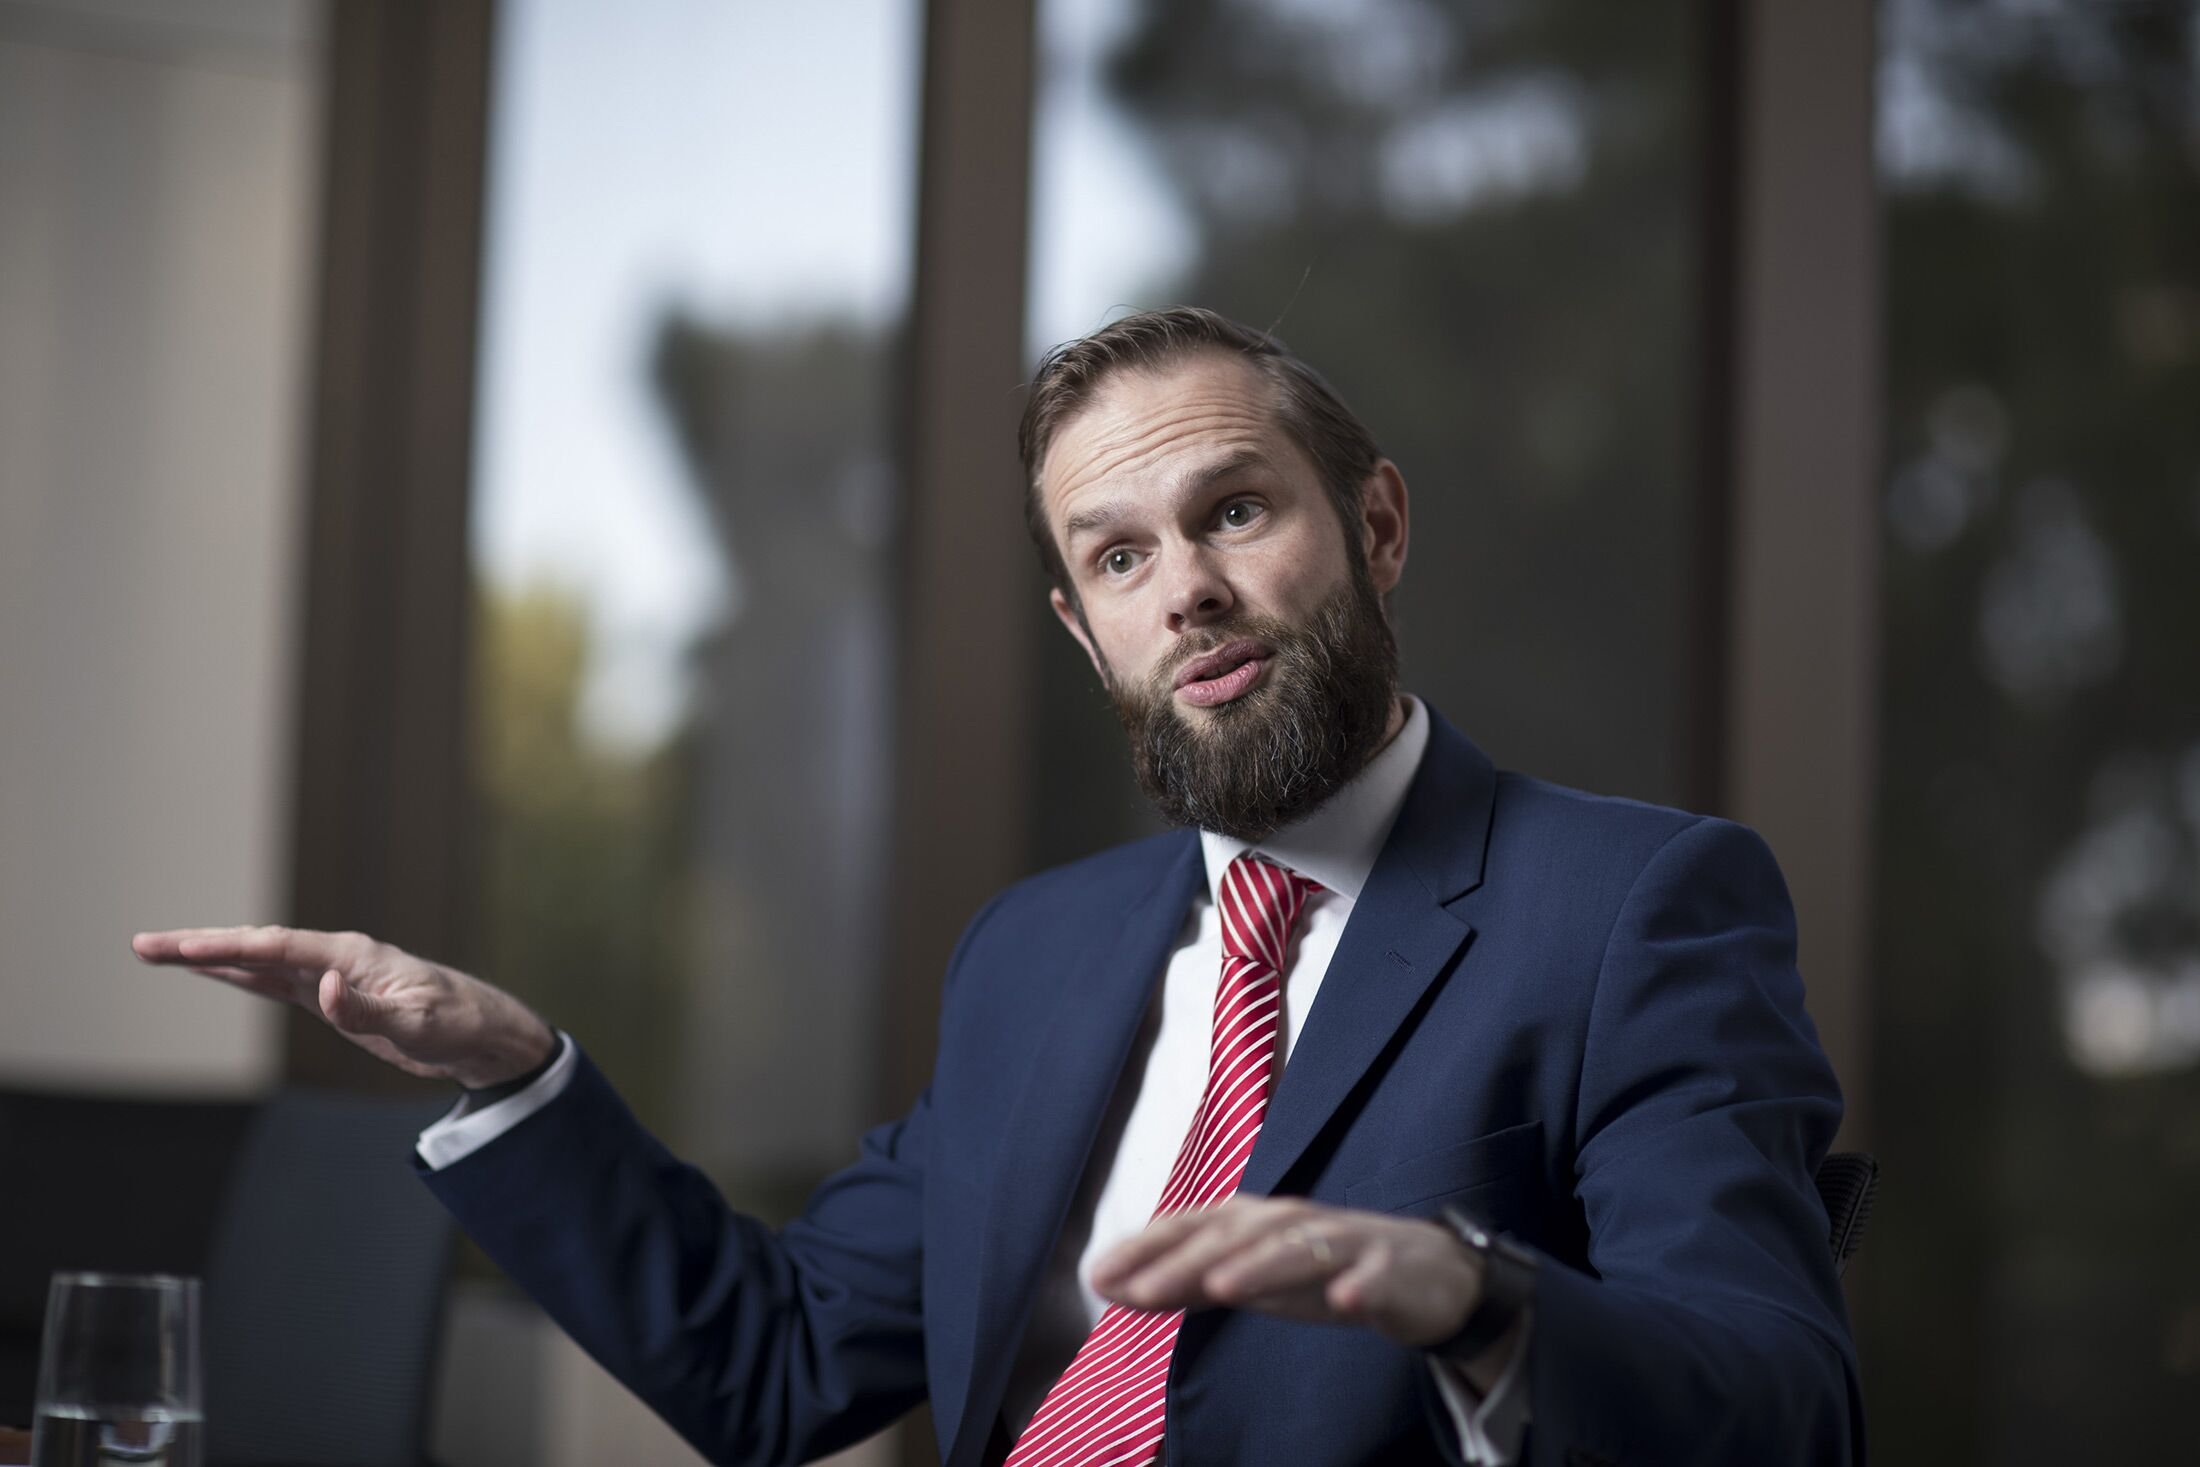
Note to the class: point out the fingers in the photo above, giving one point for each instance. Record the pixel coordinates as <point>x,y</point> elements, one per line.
<point>167,947</point>
<point>1405,1279</point>
<point>375,995</point>
<point>255,980</point>
<point>1175,1279</point>
<point>1125,1259</point>
<point>295,946</point>
<point>351,1009</point>
<point>1253,1252</point>
<point>245,946</point>
<point>1284,1259</point>
<point>1360,1292</point>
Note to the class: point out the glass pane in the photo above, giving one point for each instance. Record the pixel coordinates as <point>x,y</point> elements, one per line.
<point>1480,223</point>
<point>685,523</point>
<point>2033,1292</point>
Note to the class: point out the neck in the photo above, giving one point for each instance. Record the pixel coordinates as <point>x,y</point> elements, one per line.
<point>1397,721</point>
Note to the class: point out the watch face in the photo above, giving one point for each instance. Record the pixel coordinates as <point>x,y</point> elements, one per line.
<point>1470,1232</point>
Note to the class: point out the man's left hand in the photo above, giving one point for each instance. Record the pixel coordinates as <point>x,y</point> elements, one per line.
<point>1408,1279</point>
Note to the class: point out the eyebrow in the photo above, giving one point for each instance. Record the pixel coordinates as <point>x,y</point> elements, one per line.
<point>1103,515</point>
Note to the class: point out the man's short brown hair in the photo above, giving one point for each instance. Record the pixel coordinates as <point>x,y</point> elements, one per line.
<point>1343,451</point>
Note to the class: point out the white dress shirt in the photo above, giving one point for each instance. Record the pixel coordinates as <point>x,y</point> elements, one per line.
<point>1161,1086</point>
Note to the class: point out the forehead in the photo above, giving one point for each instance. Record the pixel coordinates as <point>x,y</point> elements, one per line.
<point>1147,427</point>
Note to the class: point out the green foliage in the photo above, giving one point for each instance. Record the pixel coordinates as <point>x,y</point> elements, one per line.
<point>587,853</point>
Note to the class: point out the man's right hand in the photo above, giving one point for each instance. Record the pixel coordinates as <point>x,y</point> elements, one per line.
<point>422,1017</point>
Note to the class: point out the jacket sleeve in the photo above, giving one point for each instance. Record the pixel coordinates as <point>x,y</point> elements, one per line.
<point>757,1346</point>
<point>1709,1326</point>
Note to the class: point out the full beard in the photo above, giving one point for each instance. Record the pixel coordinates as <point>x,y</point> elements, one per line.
<point>1255,764</point>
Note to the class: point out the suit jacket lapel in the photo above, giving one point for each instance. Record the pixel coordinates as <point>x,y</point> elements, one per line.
<point>1075,1065</point>
<point>1400,938</point>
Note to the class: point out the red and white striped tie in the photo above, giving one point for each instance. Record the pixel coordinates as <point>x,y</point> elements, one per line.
<point>1109,1405</point>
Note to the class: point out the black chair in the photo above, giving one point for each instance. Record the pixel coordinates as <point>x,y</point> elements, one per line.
<point>1846,1182</point>
<point>324,1289</point>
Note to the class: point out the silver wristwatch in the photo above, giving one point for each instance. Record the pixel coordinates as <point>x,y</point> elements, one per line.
<point>1508,1284</point>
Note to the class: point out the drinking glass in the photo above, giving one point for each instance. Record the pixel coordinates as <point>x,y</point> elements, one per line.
<point>118,1373</point>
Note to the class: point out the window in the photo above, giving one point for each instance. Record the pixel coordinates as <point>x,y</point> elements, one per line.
<point>685,518</point>
<point>2033,1295</point>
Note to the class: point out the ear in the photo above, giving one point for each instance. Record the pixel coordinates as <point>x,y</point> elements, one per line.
<point>1067,615</point>
<point>1383,525</point>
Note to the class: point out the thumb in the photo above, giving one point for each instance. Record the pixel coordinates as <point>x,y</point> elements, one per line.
<point>349,1010</point>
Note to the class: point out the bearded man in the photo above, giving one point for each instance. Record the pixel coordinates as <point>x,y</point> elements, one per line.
<point>1391,1109</point>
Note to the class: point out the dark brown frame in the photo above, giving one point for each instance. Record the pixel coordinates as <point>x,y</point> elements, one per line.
<point>382,827</point>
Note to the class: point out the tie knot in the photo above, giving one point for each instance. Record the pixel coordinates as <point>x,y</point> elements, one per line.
<point>1261,902</point>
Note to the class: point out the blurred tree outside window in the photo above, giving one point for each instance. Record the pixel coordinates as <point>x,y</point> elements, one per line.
<point>700,223</point>
<point>1481,223</point>
<point>2032,1290</point>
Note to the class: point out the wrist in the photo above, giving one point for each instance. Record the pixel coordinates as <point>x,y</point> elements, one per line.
<point>1492,1323</point>
<point>515,1053</point>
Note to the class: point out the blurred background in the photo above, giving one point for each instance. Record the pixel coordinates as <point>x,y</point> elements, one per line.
<point>534,480</point>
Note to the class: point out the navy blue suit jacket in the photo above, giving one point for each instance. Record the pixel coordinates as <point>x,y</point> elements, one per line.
<point>1578,1018</point>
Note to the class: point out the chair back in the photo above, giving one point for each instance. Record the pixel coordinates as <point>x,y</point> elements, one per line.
<point>325,1288</point>
<point>1846,1182</point>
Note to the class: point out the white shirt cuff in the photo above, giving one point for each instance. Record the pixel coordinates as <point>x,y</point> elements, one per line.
<point>466,1130</point>
<point>1490,1427</point>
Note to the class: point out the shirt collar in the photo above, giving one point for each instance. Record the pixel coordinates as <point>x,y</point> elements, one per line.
<point>1337,843</point>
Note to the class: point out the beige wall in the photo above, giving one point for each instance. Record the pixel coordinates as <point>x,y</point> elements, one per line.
<point>156,206</point>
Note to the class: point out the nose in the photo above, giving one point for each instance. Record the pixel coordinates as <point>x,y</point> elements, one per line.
<point>1196,593</point>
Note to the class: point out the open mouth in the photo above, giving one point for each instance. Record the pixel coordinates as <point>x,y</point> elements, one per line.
<point>1222,675</point>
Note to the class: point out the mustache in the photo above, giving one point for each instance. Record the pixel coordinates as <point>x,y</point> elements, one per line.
<point>1252,765</point>
<point>1162,679</point>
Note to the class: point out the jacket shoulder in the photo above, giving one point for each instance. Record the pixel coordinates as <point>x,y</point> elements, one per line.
<point>1055,910</point>
<point>1107,879</point>
<point>1538,825</point>
<point>1535,813</point>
